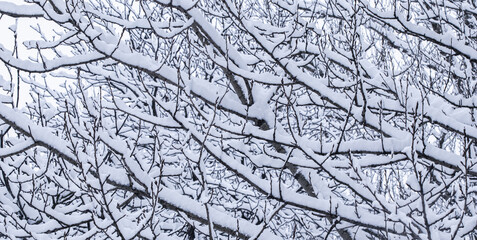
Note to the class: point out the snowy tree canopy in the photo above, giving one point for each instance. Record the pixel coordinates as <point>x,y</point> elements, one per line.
<point>238,119</point>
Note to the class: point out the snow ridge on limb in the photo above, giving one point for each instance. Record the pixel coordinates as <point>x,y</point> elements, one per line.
<point>23,10</point>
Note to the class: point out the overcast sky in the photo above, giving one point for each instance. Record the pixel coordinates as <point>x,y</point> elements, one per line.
<point>24,32</point>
